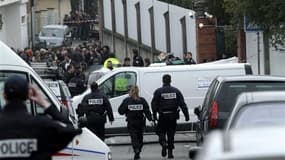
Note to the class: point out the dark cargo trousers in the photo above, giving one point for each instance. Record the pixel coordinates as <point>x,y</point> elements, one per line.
<point>166,127</point>
<point>136,133</point>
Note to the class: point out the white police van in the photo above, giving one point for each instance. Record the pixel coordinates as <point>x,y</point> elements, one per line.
<point>86,146</point>
<point>192,80</point>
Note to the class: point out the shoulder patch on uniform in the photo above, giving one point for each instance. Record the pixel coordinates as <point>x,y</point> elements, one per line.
<point>135,107</point>
<point>12,148</point>
<point>168,95</point>
<point>95,101</point>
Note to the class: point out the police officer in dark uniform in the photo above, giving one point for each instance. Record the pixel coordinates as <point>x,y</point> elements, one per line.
<point>24,136</point>
<point>166,102</point>
<point>95,106</point>
<point>77,83</point>
<point>136,109</point>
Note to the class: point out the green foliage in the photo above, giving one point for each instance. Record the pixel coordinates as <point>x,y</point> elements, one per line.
<point>268,14</point>
<point>182,3</point>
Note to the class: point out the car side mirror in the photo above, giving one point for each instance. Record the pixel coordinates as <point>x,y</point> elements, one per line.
<point>193,151</point>
<point>197,111</point>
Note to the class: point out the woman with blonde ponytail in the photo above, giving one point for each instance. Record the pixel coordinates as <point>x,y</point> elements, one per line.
<point>136,109</point>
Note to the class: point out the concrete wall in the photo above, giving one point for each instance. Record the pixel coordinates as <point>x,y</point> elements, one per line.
<point>277,56</point>
<point>159,8</point>
<point>14,30</point>
<point>62,7</point>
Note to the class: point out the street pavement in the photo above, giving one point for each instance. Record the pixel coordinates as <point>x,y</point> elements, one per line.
<point>122,150</point>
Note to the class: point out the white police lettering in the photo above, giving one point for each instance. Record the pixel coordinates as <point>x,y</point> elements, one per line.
<point>72,85</point>
<point>135,107</point>
<point>12,148</point>
<point>95,101</point>
<point>168,95</point>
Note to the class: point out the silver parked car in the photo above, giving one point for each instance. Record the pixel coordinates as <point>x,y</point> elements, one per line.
<point>254,109</point>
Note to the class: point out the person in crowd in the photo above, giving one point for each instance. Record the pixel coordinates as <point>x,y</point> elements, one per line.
<point>166,102</point>
<point>147,62</point>
<point>95,106</point>
<point>105,53</point>
<point>110,65</point>
<point>26,136</point>
<point>127,62</point>
<point>188,58</point>
<point>68,74</point>
<point>136,110</point>
<point>137,59</point>
<point>77,83</point>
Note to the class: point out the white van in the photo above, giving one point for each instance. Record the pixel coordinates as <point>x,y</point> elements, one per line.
<point>55,36</point>
<point>192,80</point>
<point>86,146</point>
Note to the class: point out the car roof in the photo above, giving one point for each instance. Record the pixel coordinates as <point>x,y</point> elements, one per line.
<point>244,143</point>
<point>249,78</point>
<point>254,97</point>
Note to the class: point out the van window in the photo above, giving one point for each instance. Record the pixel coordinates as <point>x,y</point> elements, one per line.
<point>52,32</point>
<point>39,109</point>
<point>119,84</point>
<point>3,76</point>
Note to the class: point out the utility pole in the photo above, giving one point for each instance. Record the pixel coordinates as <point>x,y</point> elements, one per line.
<point>32,22</point>
<point>258,52</point>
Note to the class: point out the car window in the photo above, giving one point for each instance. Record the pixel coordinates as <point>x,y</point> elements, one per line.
<point>3,76</point>
<point>119,84</point>
<point>260,114</point>
<point>38,108</point>
<point>210,95</point>
<point>230,91</point>
<point>52,32</point>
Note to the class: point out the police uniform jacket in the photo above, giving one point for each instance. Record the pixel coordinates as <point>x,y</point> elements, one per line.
<point>167,100</point>
<point>24,136</point>
<point>95,106</point>
<point>135,109</point>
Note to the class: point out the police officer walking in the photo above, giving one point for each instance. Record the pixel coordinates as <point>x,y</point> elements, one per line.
<point>166,102</point>
<point>136,109</point>
<point>95,106</point>
<point>24,136</point>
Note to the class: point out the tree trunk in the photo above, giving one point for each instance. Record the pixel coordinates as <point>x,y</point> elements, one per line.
<point>266,52</point>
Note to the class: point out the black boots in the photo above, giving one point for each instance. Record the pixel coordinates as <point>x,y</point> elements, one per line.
<point>163,151</point>
<point>137,155</point>
<point>170,154</point>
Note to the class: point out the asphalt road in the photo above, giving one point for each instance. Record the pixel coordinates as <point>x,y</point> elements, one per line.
<point>150,152</point>
<point>122,150</point>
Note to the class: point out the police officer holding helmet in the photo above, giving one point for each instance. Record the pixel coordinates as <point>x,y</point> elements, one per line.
<point>136,109</point>
<point>95,106</point>
<point>166,102</point>
<point>24,136</point>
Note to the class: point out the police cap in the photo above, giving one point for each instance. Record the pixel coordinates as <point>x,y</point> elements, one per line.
<point>16,88</point>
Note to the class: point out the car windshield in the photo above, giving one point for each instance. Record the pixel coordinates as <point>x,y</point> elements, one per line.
<point>260,114</point>
<point>52,32</point>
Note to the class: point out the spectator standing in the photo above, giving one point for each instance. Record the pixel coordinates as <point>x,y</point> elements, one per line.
<point>127,62</point>
<point>137,59</point>
<point>188,58</point>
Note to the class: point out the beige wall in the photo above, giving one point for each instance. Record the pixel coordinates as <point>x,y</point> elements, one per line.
<point>62,6</point>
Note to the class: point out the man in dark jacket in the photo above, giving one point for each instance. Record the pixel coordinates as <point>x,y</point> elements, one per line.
<point>94,107</point>
<point>136,109</point>
<point>166,102</point>
<point>77,84</point>
<point>28,137</point>
<point>137,59</point>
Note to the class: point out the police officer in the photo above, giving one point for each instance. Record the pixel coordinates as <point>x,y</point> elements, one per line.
<point>77,84</point>
<point>24,136</point>
<point>94,107</point>
<point>166,102</point>
<point>136,109</point>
